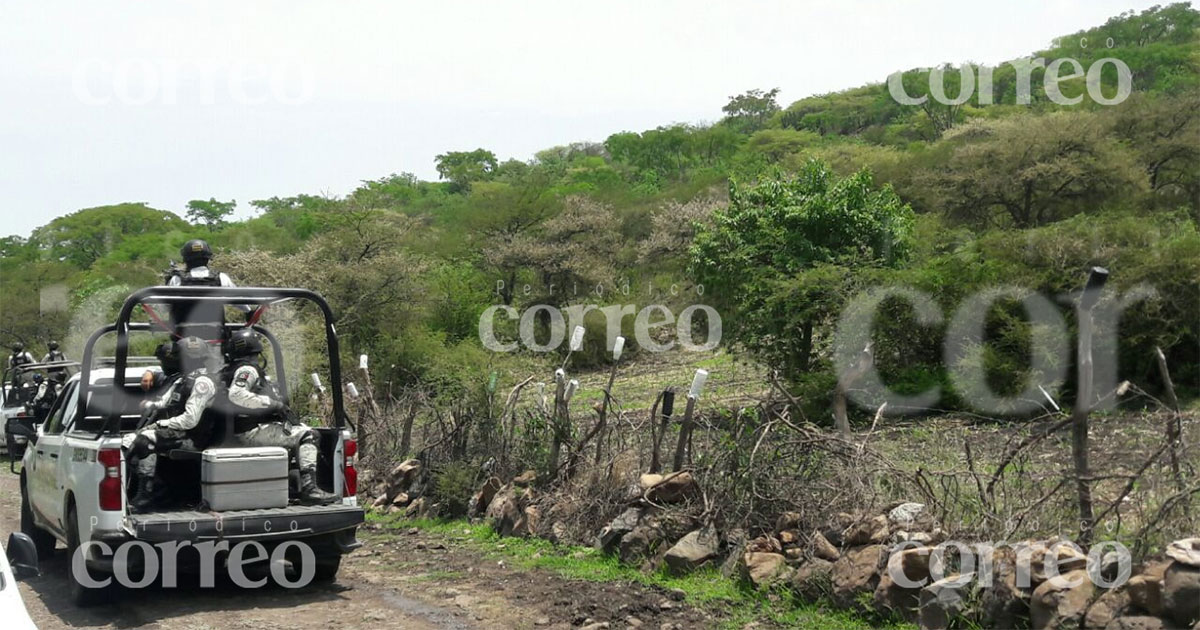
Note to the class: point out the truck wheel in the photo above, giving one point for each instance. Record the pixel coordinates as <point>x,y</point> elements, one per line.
<point>327,568</point>
<point>42,539</point>
<point>326,565</point>
<point>82,595</point>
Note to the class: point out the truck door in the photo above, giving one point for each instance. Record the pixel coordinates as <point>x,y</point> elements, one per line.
<point>47,458</point>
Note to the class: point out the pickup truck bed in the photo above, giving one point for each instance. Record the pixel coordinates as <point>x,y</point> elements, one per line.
<point>292,522</point>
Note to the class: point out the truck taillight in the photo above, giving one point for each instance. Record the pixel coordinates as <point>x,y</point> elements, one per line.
<point>350,451</point>
<point>111,487</point>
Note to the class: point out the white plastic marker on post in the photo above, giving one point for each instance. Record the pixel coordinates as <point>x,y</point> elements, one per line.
<point>618,346</point>
<point>362,361</point>
<point>559,375</point>
<point>352,390</point>
<point>698,383</point>
<point>571,387</point>
<point>316,381</point>
<point>577,339</point>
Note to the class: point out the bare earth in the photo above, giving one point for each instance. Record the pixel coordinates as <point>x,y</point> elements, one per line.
<point>402,580</point>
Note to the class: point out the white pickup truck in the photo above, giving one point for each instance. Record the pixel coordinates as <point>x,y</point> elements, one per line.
<point>75,483</point>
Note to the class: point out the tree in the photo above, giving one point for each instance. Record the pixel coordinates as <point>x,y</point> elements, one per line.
<point>1163,132</point>
<point>1031,170</point>
<point>83,237</point>
<point>748,112</point>
<point>211,213</point>
<point>463,168</point>
<point>782,250</point>
<point>502,218</point>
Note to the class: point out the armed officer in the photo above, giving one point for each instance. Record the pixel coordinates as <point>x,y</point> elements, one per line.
<point>43,400</point>
<point>259,413</point>
<point>18,357</point>
<point>54,354</point>
<point>183,406</point>
<point>198,318</point>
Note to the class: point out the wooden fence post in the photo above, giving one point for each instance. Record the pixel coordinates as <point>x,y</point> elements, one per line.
<point>1083,403</point>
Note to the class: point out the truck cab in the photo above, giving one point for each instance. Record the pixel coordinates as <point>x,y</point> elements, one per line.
<point>76,484</point>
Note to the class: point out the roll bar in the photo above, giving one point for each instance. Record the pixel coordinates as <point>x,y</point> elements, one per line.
<point>259,296</point>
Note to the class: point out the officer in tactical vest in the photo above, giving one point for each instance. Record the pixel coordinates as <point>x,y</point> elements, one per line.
<point>54,354</point>
<point>182,407</point>
<point>18,357</point>
<point>200,319</point>
<point>43,400</point>
<point>259,413</point>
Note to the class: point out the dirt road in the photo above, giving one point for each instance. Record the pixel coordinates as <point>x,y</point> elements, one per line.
<point>399,580</point>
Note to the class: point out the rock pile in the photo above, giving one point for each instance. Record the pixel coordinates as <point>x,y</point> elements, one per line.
<point>887,563</point>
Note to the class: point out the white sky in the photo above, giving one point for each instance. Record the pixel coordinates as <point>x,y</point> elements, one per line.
<point>162,102</point>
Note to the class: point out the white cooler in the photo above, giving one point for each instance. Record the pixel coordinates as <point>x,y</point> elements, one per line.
<point>244,478</point>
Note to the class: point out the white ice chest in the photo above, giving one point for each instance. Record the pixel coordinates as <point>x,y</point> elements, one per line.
<point>244,478</point>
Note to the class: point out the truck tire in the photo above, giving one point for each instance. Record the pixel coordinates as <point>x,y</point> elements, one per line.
<point>326,564</point>
<point>42,539</point>
<point>327,568</point>
<point>83,596</point>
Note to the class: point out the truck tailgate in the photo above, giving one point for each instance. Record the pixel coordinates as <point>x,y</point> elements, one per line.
<point>297,521</point>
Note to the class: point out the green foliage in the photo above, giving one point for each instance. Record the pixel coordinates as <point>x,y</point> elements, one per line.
<point>748,112</point>
<point>783,253</point>
<point>1027,171</point>
<point>463,168</point>
<point>831,195</point>
<point>211,213</point>
<point>81,238</point>
<point>453,486</point>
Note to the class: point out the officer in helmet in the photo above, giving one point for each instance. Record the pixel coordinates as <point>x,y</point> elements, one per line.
<point>54,354</point>
<point>43,399</point>
<point>179,427</point>
<point>196,255</point>
<point>205,320</point>
<point>259,413</point>
<point>18,357</point>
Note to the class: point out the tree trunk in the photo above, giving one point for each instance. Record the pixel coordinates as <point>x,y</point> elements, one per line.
<point>406,429</point>
<point>1174,430</point>
<point>806,342</point>
<point>841,416</point>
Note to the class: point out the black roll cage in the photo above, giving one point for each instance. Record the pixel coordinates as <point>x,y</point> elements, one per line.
<point>252,296</point>
<point>12,371</point>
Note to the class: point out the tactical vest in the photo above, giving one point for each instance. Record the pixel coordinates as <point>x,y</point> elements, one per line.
<point>56,355</point>
<point>177,403</point>
<point>246,419</point>
<point>199,319</point>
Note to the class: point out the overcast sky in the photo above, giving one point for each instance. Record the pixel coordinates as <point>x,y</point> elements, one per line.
<point>162,102</point>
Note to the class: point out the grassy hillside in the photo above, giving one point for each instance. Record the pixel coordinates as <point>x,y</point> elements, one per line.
<point>1002,193</point>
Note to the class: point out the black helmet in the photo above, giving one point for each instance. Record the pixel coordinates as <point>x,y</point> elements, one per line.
<point>243,343</point>
<point>59,376</point>
<point>167,357</point>
<point>38,378</point>
<point>196,253</point>
<point>192,352</point>
<point>18,346</point>
<point>53,345</point>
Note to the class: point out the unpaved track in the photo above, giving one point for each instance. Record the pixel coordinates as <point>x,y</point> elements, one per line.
<point>399,580</point>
